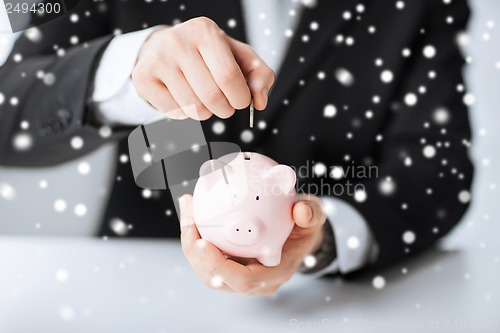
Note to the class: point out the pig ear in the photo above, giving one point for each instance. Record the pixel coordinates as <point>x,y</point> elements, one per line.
<point>211,166</point>
<point>282,175</point>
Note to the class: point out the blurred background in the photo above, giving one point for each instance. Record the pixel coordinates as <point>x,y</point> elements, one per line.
<point>71,284</point>
<point>43,201</point>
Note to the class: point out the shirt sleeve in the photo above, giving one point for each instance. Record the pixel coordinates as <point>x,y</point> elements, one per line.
<point>115,98</point>
<point>356,247</point>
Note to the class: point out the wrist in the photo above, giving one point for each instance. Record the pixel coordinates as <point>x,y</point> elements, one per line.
<point>325,252</point>
<point>320,237</point>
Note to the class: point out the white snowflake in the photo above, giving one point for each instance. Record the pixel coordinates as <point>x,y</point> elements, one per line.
<point>74,40</point>
<point>246,136</point>
<point>360,195</point>
<point>387,186</point>
<point>22,141</point>
<point>464,196</point>
<point>67,313</point>
<point>33,34</point>
<point>7,191</point>
<point>61,275</point>
<point>337,172</point>
<point>344,77</point>
<point>231,23</point>
<point>17,57</point>
<point>441,116</point>
<point>386,76</point>
<point>147,193</point>
<point>216,281</point>
<point>80,210</point>
<point>147,158</point>
<point>218,127</point>
<point>105,131</point>
<point>76,142</point>
<point>118,226</point>
<point>84,168</point>
<point>43,184</point>
<point>319,169</point>
<point>429,51</point>
<point>74,18</point>
<point>60,205</point>
<point>378,282</point>
<point>310,261</point>
<point>329,111</point>
<point>411,99</point>
<point>123,158</point>
<point>353,242</point>
<point>409,237</point>
<point>469,99</point>
<point>429,151</point>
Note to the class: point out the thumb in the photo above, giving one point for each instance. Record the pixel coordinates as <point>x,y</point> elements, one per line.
<point>307,213</point>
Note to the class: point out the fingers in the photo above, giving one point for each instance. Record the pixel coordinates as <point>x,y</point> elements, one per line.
<point>308,213</point>
<point>259,76</point>
<point>225,70</point>
<point>160,98</point>
<point>183,94</point>
<point>196,67</point>
<point>222,273</point>
<point>205,87</point>
<point>235,275</point>
<point>193,246</point>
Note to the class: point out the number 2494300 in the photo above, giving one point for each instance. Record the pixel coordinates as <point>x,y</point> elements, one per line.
<point>24,8</point>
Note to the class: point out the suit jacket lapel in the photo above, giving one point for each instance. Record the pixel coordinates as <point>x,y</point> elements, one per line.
<point>328,14</point>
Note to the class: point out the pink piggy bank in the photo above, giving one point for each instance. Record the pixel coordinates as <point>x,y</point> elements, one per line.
<point>242,203</point>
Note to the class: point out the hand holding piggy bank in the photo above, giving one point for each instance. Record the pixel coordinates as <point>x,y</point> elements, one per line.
<point>242,203</point>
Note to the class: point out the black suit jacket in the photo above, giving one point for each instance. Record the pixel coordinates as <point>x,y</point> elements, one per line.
<point>373,124</point>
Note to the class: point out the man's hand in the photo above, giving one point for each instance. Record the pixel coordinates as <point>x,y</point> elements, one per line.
<point>195,70</point>
<point>218,271</point>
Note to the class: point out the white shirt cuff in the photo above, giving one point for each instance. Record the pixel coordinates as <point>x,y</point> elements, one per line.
<point>355,244</point>
<point>115,98</point>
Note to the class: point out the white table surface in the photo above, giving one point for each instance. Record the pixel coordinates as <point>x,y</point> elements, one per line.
<point>61,284</point>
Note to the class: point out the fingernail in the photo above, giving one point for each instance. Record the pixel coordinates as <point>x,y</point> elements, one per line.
<point>309,213</point>
<point>200,247</point>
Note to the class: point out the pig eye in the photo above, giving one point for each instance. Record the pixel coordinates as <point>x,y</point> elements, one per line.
<point>257,198</point>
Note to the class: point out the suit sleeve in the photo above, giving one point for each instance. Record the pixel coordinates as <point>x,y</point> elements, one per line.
<point>46,83</point>
<point>424,172</point>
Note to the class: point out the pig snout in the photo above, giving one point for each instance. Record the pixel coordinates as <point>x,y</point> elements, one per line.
<point>243,230</point>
